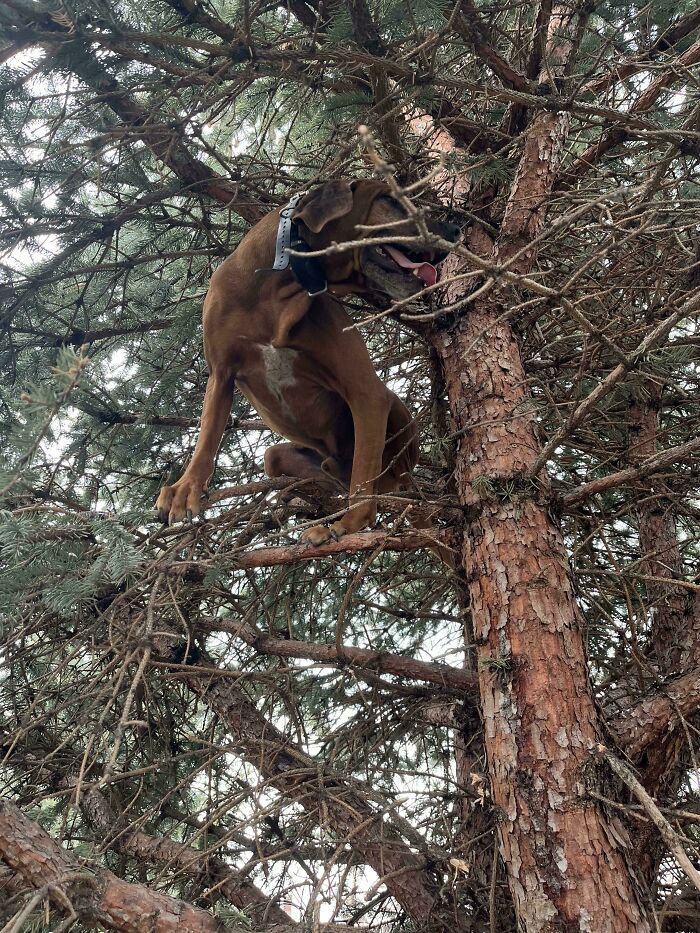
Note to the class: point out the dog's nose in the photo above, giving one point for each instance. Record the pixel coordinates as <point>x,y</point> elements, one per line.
<point>452,232</point>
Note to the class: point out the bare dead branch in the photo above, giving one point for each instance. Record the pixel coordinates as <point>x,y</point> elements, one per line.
<point>380,662</point>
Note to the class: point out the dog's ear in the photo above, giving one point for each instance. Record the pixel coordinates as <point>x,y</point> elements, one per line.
<point>324,204</point>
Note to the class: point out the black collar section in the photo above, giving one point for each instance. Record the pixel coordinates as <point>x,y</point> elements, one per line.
<point>308,272</point>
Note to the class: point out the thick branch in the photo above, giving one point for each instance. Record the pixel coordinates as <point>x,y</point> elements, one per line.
<point>204,868</point>
<point>471,29</point>
<point>668,834</point>
<point>96,894</point>
<point>659,461</point>
<point>364,28</point>
<point>380,662</point>
<point>294,553</point>
<point>319,789</point>
<point>539,38</point>
<point>618,134</point>
<point>193,12</point>
<point>674,34</point>
<point>163,141</point>
<point>111,831</point>
<point>658,714</point>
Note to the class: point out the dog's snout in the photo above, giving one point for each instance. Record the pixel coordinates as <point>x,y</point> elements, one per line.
<point>446,229</point>
<point>452,232</point>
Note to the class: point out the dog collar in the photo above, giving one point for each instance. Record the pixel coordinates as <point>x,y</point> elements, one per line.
<point>284,233</point>
<point>309,272</point>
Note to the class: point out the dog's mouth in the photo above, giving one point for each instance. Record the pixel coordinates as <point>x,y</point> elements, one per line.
<point>400,272</point>
<point>419,268</point>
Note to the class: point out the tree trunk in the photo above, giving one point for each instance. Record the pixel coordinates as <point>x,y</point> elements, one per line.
<point>567,865</point>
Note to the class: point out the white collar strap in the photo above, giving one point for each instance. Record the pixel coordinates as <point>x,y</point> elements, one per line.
<point>284,232</point>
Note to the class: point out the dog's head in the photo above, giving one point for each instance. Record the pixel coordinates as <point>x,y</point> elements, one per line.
<point>333,212</point>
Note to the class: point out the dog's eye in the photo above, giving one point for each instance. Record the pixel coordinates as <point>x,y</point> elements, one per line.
<point>392,202</point>
<point>398,205</point>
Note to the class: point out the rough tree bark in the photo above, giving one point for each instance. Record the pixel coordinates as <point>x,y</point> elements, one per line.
<point>567,868</point>
<point>102,898</point>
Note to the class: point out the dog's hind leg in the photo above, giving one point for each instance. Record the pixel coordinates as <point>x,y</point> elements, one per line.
<point>370,411</point>
<point>304,463</point>
<point>293,460</point>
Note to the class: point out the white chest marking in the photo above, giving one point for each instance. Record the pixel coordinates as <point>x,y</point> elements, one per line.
<point>279,372</point>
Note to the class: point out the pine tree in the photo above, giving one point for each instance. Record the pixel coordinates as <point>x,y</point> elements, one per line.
<point>203,726</point>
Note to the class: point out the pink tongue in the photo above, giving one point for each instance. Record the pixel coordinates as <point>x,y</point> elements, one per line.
<point>426,272</point>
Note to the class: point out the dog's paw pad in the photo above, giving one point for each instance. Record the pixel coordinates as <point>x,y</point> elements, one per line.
<point>319,534</point>
<point>337,530</point>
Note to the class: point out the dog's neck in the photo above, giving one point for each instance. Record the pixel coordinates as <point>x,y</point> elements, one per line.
<point>307,271</point>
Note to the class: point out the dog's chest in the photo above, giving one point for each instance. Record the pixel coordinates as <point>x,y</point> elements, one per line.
<point>266,379</point>
<point>278,363</point>
<point>288,389</point>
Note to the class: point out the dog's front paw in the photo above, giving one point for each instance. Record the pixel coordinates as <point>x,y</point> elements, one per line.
<point>337,530</point>
<point>319,534</point>
<point>180,501</point>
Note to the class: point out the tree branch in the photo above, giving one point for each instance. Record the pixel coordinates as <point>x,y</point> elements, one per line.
<point>95,894</point>
<point>294,553</point>
<point>659,461</point>
<point>674,34</point>
<point>202,867</point>
<point>380,662</point>
<point>614,137</point>
<point>469,26</point>
<point>658,714</point>
<point>163,141</point>
<point>539,38</point>
<point>667,832</point>
<point>653,339</point>
<point>318,788</point>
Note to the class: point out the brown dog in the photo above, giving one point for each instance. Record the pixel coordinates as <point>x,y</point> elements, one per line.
<point>293,357</point>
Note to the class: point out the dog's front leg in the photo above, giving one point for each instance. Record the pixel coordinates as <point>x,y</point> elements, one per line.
<point>183,499</point>
<point>370,412</point>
